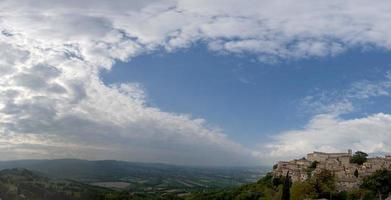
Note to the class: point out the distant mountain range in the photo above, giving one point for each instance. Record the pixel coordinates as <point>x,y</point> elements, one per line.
<point>141,177</point>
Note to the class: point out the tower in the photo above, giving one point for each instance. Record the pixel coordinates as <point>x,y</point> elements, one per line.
<point>350,152</point>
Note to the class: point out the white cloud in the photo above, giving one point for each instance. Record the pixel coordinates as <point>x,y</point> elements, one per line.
<point>328,131</point>
<point>54,104</point>
<point>282,29</point>
<point>332,134</point>
<point>337,102</point>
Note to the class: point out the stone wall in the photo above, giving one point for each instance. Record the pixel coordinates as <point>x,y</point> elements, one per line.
<point>338,163</point>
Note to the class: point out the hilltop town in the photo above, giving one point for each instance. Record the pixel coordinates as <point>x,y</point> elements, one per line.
<point>348,175</point>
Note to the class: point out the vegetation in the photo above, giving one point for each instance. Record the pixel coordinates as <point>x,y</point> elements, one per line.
<point>324,184</point>
<point>286,195</point>
<point>311,168</point>
<point>321,186</point>
<point>303,190</point>
<point>18,184</point>
<point>142,178</point>
<point>359,157</point>
<point>23,184</point>
<point>267,188</point>
<point>379,183</point>
<point>356,173</point>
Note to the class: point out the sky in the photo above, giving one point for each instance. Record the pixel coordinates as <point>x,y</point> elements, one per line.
<point>194,82</point>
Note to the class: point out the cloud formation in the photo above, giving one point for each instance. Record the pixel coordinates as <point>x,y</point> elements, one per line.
<point>338,102</point>
<point>53,103</point>
<point>332,134</point>
<point>329,131</point>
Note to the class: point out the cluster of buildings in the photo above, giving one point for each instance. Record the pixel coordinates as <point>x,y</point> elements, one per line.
<point>348,175</point>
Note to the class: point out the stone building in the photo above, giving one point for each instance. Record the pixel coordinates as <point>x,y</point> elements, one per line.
<point>323,157</point>
<point>296,168</point>
<point>338,163</point>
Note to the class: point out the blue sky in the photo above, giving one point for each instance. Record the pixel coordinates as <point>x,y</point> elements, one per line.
<point>250,100</point>
<point>195,82</point>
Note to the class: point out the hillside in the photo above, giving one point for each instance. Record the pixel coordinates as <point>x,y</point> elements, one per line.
<point>18,184</point>
<point>320,186</point>
<point>141,177</point>
<point>22,184</point>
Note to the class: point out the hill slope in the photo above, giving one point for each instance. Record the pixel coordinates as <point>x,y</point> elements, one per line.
<point>22,184</point>
<point>140,177</point>
<point>18,184</point>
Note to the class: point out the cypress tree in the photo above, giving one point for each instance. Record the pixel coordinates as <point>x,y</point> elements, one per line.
<point>286,195</point>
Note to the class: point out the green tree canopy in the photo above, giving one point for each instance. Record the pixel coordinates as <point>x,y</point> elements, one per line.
<point>359,157</point>
<point>324,183</point>
<point>302,190</point>
<point>380,182</point>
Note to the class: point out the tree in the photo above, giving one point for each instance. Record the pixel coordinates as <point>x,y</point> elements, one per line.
<point>314,164</point>
<point>276,181</point>
<point>311,168</point>
<point>302,190</point>
<point>267,180</point>
<point>286,188</point>
<point>360,193</point>
<point>379,182</point>
<point>359,157</point>
<point>356,173</point>
<point>324,183</point>
<point>275,166</point>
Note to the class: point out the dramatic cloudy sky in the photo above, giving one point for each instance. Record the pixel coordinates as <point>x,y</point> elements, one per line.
<point>197,82</point>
